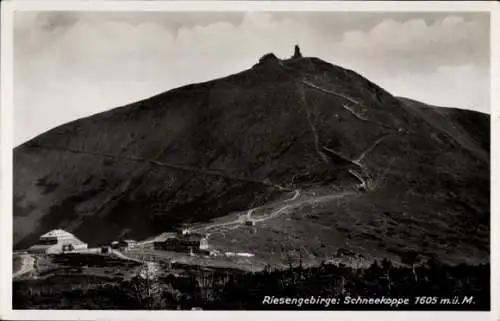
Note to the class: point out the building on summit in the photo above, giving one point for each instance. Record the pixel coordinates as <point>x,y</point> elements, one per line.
<point>271,61</point>
<point>57,241</point>
<point>297,53</point>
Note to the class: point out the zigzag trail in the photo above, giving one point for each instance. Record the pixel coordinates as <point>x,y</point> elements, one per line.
<point>358,116</point>
<point>371,147</point>
<point>357,161</point>
<point>310,84</point>
<point>315,132</point>
<point>241,218</point>
<point>289,204</point>
<point>355,114</point>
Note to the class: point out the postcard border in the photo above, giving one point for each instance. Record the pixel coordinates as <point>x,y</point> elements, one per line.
<point>6,135</point>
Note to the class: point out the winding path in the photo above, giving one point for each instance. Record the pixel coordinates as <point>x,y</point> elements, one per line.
<point>289,204</point>
<point>124,257</point>
<point>310,84</point>
<point>240,220</point>
<point>350,100</point>
<point>371,147</point>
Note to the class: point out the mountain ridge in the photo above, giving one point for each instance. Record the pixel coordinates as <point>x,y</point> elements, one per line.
<point>205,150</point>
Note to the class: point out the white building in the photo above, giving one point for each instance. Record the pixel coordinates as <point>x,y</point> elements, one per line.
<point>204,243</point>
<point>57,241</point>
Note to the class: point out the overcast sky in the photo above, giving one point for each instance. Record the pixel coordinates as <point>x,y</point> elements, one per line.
<point>72,64</point>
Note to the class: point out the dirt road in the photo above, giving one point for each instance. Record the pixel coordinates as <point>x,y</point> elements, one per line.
<point>27,265</point>
<point>242,218</point>
<point>282,208</point>
<point>124,257</point>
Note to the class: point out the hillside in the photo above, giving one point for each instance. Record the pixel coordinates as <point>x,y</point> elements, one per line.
<point>377,174</point>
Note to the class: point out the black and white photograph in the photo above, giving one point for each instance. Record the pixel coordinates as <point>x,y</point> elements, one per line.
<point>250,159</point>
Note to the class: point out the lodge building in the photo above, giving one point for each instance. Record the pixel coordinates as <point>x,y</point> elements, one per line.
<point>57,241</point>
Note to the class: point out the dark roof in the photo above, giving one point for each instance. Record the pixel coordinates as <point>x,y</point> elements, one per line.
<point>194,237</point>
<point>39,247</point>
<point>190,238</point>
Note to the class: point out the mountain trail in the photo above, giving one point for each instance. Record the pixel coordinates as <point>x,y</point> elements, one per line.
<point>289,204</point>
<point>363,182</point>
<point>311,124</point>
<point>371,147</point>
<point>165,164</point>
<point>346,107</point>
<point>122,256</point>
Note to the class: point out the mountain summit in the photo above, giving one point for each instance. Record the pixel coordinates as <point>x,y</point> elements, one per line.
<point>408,171</point>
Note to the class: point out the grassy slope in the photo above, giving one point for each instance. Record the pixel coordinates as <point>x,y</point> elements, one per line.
<point>431,196</point>
<point>429,177</point>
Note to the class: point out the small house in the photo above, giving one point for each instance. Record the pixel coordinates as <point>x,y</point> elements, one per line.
<point>129,243</point>
<point>203,243</point>
<point>123,244</point>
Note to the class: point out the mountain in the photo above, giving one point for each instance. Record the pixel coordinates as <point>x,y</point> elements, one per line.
<point>376,174</point>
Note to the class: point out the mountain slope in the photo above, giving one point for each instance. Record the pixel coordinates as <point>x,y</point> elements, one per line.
<point>206,150</point>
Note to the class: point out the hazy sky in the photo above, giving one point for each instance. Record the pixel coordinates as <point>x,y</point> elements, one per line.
<point>72,64</point>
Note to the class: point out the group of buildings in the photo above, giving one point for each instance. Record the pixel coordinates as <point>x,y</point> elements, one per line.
<point>60,241</point>
<point>182,241</point>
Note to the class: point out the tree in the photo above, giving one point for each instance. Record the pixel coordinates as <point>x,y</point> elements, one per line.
<point>411,258</point>
<point>387,266</point>
<point>146,286</point>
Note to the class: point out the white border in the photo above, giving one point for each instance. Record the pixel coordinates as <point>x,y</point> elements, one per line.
<point>6,134</point>
<point>495,156</point>
<point>6,116</point>
<point>200,5</point>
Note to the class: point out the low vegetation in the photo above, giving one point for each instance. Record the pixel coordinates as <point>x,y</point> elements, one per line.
<point>225,290</point>
<point>72,264</point>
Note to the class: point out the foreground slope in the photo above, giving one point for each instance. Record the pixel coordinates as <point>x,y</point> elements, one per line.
<point>255,138</point>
